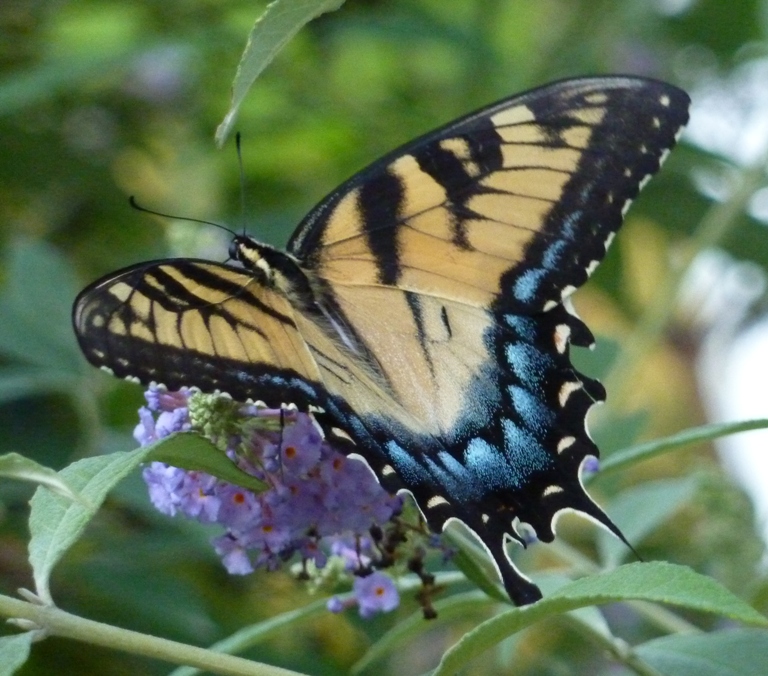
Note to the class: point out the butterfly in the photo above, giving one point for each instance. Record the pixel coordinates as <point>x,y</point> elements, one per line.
<point>422,308</point>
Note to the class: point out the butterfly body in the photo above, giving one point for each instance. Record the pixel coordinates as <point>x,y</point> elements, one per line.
<point>423,306</point>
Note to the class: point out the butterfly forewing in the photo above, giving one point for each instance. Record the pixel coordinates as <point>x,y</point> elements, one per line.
<point>517,202</point>
<point>185,322</point>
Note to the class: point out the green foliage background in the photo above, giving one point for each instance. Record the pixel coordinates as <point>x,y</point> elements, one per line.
<point>102,99</point>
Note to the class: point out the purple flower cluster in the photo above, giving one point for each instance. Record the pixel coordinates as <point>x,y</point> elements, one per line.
<point>318,500</point>
<point>374,593</point>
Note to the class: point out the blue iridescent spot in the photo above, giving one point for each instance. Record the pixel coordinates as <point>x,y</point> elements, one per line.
<point>353,422</point>
<point>528,364</point>
<point>532,411</point>
<point>300,384</point>
<point>570,224</point>
<point>454,477</point>
<point>405,464</point>
<point>453,466</point>
<point>553,255</point>
<point>279,381</point>
<point>527,284</point>
<point>525,454</point>
<point>488,464</point>
<point>525,327</point>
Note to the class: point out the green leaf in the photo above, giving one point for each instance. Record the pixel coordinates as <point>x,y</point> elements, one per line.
<point>281,20</point>
<point>17,382</point>
<point>612,432</point>
<point>639,511</point>
<point>55,524</point>
<point>16,466</point>
<point>588,616</point>
<point>473,561</point>
<point>14,652</point>
<point>634,454</point>
<point>656,582</point>
<point>662,582</point>
<point>593,619</point>
<point>739,652</point>
<point>35,307</point>
<point>457,607</point>
<point>193,452</point>
<point>598,360</point>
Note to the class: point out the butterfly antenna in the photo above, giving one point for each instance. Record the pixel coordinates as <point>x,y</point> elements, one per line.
<point>132,201</point>
<point>238,145</point>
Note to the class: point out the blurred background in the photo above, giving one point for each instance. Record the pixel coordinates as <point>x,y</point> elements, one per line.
<point>102,99</point>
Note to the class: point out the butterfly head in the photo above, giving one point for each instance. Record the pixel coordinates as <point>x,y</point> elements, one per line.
<point>275,268</point>
<point>251,255</point>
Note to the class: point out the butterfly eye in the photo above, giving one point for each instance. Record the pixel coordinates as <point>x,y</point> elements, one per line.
<point>234,250</point>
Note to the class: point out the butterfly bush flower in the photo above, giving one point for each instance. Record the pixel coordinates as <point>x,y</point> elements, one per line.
<point>318,501</point>
<point>375,593</point>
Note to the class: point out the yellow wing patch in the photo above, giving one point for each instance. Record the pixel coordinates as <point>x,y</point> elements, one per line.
<point>429,351</point>
<point>221,322</point>
<point>457,242</point>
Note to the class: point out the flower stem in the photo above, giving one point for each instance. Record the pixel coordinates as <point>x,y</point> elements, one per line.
<point>60,623</point>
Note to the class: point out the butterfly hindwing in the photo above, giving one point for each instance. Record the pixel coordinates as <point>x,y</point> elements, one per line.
<point>491,424</point>
<point>423,306</point>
